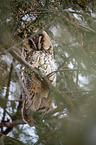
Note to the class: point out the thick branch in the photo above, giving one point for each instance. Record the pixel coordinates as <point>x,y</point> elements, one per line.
<point>44,80</point>
<point>13,124</point>
<point>38,74</point>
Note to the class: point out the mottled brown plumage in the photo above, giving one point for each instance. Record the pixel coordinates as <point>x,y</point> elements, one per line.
<point>39,53</point>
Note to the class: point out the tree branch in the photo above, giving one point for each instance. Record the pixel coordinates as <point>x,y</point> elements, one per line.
<point>44,80</point>
<point>16,120</point>
<point>11,125</point>
<point>7,91</point>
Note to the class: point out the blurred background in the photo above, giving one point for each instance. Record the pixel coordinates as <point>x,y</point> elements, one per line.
<point>71,26</point>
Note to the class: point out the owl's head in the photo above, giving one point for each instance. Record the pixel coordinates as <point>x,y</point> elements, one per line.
<point>40,42</point>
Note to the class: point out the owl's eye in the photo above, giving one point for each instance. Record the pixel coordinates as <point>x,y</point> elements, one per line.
<point>32,44</point>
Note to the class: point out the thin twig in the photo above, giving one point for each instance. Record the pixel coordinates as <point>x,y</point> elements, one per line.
<point>81,13</point>
<point>30,12</point>
<point>16,26</point>
<point>86,28</point>
<point>27,12</point>
<point>8,113</point>
<point>78,24</point>
<point>62,70</point>
<point>15,119</point>
<point>74,91</point>
<point>67,59</point>
<point>18,100</point>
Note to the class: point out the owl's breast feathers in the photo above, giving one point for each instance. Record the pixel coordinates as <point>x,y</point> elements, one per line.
<point>39,53</point>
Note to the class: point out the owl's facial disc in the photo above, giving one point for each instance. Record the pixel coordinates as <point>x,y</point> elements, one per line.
<point>40,42</point>
<point>33,43</point>
<point>36,43</point>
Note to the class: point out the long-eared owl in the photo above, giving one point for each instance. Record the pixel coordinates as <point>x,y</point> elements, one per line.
<point>38,51</point>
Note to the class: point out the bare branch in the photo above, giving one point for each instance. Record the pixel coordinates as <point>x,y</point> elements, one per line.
<point>18,100</point>
<point>78,24</point>
<point>13,124</point>
<point>67,59</point>
<point>81,13</point>
<point>31,12</point>
<point>7,91</point>
<point>44,80</point>
<point>8,113</point>
<point>16,25</point>
<point>14,118</point>
<point>61,70</point>
<point>86,28</point>
<point>74,91</point>
<point>36,10</point>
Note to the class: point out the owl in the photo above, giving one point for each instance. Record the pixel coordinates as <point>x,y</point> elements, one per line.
<point>37,51</point>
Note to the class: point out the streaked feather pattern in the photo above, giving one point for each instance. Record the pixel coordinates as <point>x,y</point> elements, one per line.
<point>39,53</point>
